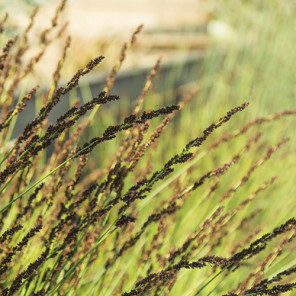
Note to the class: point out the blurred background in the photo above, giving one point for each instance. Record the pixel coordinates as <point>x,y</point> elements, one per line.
<point>101,27</point>
<point>234,51</point>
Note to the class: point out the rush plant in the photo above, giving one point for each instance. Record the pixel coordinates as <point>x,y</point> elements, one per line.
<point>90,207</point>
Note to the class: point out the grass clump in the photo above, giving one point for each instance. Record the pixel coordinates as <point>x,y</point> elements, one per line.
<point>137,208</point>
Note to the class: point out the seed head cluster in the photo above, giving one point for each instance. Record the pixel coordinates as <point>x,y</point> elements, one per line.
<point>96,205</point>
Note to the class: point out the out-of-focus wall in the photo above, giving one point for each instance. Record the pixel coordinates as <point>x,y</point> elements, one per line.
<point>90,18</point>
<point>101,26</point>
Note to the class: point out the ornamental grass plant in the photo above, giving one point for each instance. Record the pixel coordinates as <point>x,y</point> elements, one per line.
<point>93,206</point>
